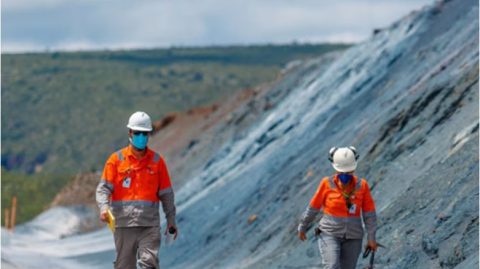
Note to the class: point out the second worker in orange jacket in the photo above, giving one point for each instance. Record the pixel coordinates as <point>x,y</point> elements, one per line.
<point>345,200</point>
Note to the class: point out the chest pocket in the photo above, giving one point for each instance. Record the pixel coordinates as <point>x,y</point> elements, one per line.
<point>150,175</point>
<point>334,200</point>
<point>332,196</point>
<point>357,198</point>
<point>124,175</point>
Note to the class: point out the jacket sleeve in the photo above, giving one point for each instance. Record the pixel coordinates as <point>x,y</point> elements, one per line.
<point>369,213</point>
<point>165,193</point>
<point>314,206</point>
<point>105,187</point>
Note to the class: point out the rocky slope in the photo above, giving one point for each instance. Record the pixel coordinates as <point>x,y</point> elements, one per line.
<point>407,99</point>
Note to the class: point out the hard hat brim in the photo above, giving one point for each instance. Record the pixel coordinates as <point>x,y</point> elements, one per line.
<point>142,129</point>
<point>345,168</point>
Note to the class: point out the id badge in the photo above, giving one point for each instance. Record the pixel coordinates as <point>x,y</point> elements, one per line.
<point>352,209</point>
<point>126,182</point>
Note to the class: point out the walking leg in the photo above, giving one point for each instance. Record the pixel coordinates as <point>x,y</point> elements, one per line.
<point>350,250</point>
<point>126,248</point>
<point>148,245</point>
<point>330,251</point>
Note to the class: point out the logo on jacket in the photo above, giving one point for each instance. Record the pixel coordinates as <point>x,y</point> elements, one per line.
<point>126,182</point>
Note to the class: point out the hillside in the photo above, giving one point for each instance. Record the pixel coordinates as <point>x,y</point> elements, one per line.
<point>65,112</point>
<point>407,98</point>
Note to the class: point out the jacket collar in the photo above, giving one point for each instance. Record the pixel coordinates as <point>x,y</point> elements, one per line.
<point>352,183</point>
<point>129,153</point>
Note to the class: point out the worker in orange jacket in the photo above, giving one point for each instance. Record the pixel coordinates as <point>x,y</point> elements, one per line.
<point>345,200</point>
<point>134,182</point>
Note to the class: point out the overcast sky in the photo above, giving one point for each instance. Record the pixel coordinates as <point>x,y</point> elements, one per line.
<point>38,25</point>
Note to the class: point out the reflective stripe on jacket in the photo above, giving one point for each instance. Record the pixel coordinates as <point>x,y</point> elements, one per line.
<point>134,188</point>
<point>336,219</point>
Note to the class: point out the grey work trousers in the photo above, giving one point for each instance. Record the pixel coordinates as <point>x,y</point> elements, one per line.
<point>137,245</point>
<point>339,253</point>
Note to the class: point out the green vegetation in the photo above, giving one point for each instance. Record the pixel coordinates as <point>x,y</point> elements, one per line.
<point>34,192</point>
<point>65,112</point>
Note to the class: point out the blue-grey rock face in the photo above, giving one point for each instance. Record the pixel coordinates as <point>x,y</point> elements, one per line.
<point>407,99</point>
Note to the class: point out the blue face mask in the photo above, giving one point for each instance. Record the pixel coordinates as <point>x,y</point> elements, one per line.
<point>139,141</point>
<point>345,178</point>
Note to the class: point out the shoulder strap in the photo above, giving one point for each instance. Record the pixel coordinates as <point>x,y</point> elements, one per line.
<point>156,157</point>
<point>358,186</point>
<point>120,155</point>
<point>331,182</point>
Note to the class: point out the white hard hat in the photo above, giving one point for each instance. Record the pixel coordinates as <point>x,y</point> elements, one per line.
<point>344,159</point>
<point>140,121</point>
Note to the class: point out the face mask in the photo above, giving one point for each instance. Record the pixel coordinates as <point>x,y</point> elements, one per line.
<point>139,141</point>
<point>345,178</point>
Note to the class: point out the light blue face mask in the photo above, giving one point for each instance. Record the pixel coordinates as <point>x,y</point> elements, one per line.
<point>345,178</point>
<point>139,141</point>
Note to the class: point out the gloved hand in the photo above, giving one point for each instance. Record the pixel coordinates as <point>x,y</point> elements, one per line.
<point>173,228</point>
<point>302,236</point>
<point>372,244</point>
<point>104,216</point>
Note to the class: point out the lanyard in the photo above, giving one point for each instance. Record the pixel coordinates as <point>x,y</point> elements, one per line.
<point>346,195</point>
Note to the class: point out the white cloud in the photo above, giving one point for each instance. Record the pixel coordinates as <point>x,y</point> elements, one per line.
<point>19,5</point>
<point>14,47</point>
<point>88,24</point>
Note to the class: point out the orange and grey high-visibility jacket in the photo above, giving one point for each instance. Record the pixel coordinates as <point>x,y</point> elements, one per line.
<point>338,219</point>
<point>134,189</point>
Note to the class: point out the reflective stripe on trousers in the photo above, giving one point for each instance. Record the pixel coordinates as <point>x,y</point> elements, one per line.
<point>339,253</point>
<point>137,246</point>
